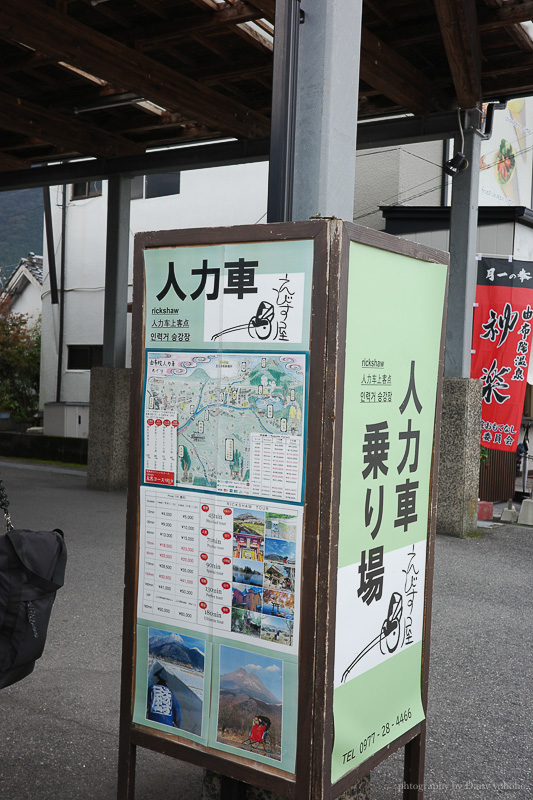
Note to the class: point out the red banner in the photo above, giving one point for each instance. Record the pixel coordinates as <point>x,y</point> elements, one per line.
<point>501,344</point>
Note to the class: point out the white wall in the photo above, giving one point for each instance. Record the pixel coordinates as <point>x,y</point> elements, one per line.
<point>492,240</point>
<point>210,197</point>
<point>410,175</point>
<point>523,244</point>
<point>28,301</point>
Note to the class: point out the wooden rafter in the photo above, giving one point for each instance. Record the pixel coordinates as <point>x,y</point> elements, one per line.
<point>199,23</point>
<point>155,7</point>
<point>460,35</point>
<point>72,42</point>
<point>30,119</point>
<point>503,66</point>
<point>514,85</point>
<point>516,31</point>
<point>383,69</point>
<point>235,71</point>
<point>266,7</point>
<point>9,163</point>
<point>509,14</point>
<point>255,37</point>
<point>252,35</point>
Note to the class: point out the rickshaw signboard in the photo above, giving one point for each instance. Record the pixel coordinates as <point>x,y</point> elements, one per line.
<point>239,355</point>
<point>390,389</point>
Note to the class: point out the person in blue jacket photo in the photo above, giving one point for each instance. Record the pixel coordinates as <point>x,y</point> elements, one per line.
<point>162,705</point>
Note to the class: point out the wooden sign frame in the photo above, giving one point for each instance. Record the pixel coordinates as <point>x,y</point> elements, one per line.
<point>312,778</point>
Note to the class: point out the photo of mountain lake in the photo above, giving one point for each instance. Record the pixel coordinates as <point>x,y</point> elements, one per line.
<point>179,661</point>
<point>249,572</point>
<point>250,689</point>
<point>280,551</point>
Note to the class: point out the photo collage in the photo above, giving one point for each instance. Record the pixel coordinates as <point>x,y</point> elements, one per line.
<point>247,696</point>
<point>264,575</point>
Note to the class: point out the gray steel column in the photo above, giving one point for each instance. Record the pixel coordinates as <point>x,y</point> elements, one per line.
<point>116,271</point>
<point>458,473</point>
<point>281,163</point>
<point>326,109</point>
<point>463,265</point>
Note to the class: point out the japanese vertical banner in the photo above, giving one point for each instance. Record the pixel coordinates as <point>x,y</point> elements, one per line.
<point>501,344</point>
<point>393,339</point>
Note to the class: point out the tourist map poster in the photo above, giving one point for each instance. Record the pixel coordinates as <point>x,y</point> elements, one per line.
<point>395,309</point>
<point>224,419</point>
<point>231,422</point>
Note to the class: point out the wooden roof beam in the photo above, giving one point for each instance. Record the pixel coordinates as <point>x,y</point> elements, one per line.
<point>155,7</point>
<point>255,37</point>
<point>266,7</point>
<point>9,163</point>
<point>74,43</point>
<point>29,119</point>
<point>516,31</point>
<point>252,35</point>
<point>509,14</point>
<point>460,35</point>
<point>200,23</point>
<point>390,74</point>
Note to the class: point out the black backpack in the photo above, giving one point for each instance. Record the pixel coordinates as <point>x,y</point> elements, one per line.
<point>32,569</point>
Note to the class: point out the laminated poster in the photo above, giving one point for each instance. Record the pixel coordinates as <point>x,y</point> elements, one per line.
<point>229,422</point>
<point>221,500</point>
<point>239,296</point>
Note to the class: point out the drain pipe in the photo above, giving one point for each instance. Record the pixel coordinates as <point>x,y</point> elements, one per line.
<point>61,296</point>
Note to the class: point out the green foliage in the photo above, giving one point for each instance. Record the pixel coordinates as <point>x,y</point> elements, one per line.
<point>20,356</point>
<point>483,455</point>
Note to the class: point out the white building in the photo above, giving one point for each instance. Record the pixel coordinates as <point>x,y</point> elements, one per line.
<point>24,287</point>
<point>200,198</point>
<point>410,175</point>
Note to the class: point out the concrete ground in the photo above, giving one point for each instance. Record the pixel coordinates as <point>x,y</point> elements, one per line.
<point>60,725</point>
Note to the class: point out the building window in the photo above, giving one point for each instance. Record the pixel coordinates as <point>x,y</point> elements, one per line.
<point>84,356</point>
<point>84,189</point>
<point>137,187</point>
<point>148,186</point>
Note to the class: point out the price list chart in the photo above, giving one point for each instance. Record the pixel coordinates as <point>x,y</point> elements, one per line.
<point>220,565</point>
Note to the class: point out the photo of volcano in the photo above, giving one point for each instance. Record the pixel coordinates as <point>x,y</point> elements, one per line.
<point>250,702</point>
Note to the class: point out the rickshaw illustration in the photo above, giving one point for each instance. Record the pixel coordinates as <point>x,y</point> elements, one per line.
<point>259,734</point>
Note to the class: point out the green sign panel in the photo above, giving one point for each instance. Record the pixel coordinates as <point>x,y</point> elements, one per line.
<point>247,296</point>
<point>224,415</point>
<point>395,308</point>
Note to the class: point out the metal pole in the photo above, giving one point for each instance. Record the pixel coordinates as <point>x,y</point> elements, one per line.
<point>116,271</point>
<point>49,228</point>
<point>463,265</point>
<point>281,169</point>
<point>61,335</point>
<point>326,110</point>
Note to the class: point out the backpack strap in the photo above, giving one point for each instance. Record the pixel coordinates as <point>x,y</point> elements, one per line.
<point>4,505</point>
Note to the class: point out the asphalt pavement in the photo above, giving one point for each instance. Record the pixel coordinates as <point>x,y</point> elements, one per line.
<point>60,725</point>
